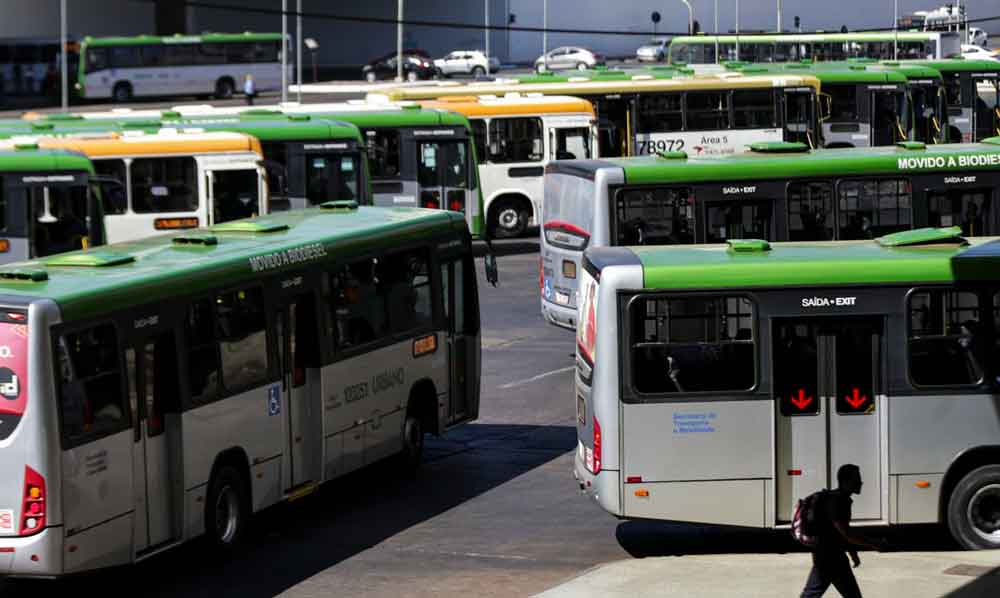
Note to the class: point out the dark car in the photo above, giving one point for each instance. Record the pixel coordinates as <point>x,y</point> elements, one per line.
<point>417,65</point>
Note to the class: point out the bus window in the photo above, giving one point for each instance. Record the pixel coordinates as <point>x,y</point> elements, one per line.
<point>235,194</point>
<point>662,216</point>
<point>679,53</point>
<point>573,144</point>
<point>116,202</point>
<point>125,57</point>
<point>59,219</point>
<point>443,164</point>
<point>97,59</point>
<point>479,138</point>
<point>796,366</point>
<point>707,110</point>
<point>872,208</point>
<point>88,373</point>
<point>404,279</point>
<point>203,360</point>
<point>968,208</point>
<point>516,140</point>
<point>987,110</point>
<point>358,311</point>
<point>749,219</point>
<point>179,54</point>
<point>329,178</point>
<point>164,185</point>
<point>659,113</point>
<point>754,109</point>
<point>953,90</point>
<point>242,339</point>
<point>945,338</point>
<point>383,154</point>
<point>844,103</point>
<point>810,211</point>
<point>211,53</point>
<point>680,345</point>
<point>276,166</point>
<point>152,55</point>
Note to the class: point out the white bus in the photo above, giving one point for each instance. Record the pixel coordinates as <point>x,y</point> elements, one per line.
<point>122,68</point>
<point>164,389</point>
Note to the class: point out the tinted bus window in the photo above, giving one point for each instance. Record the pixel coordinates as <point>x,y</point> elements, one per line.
<point>946,338</point>
<point>330,178</point>
<point>242,338</point>
<point>754,109</point>
<point>203,353</point>
<point>660,113</point>
<point>211,53</point>
<point>97,59</point>
<point>383,153</point>
<point>358,312</point>
<point>88,372</point>
<point>810,211</point>
<point>406,283</point>
<point>707,110</point>
<point>164,185</point>
<point>115,202</point>
<point>873,208</point>
<point>125,57</point>
<point>515,140</point>
<point>179,55</point>
<point>479,138</point>
<point>662,216</point>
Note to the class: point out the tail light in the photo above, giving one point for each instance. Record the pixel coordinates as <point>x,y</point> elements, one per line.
<point>430,199</point>
<point>456,201</point>
<point>541,276</point>
<point>597,447</point>
<point>33,508</point>
<point>566,235</point>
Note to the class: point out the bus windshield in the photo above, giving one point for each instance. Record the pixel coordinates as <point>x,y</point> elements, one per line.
<point>331,177</point>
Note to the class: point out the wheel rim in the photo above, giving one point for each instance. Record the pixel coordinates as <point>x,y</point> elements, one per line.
<point>411,76</point>
<point>227,514</point>
<point>984,513</point>
<point>581,67</point>
<point>508,218</point>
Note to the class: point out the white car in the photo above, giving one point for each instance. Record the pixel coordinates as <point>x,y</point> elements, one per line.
<point>568,57</point>
<point>654,51</point>
<point>973,52</point>
<point>467,62</point>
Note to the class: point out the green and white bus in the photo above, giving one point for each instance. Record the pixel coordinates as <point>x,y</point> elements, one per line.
<point>43,193</point>
<point>164,389</point>
<point>720,384</point>
<point>971,96</point>
<point>775,192</point>
<point>790,47</point>
<point>122,68</point>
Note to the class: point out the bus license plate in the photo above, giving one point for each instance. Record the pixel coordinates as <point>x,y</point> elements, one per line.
<point>562,298</point>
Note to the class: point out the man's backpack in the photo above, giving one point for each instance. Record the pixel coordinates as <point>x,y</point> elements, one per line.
<point>806,521</point>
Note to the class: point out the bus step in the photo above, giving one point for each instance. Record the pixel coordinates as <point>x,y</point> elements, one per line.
<point>301,491</point>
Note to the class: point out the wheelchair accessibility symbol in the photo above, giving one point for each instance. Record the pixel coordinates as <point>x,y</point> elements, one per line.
<point>273,401</point>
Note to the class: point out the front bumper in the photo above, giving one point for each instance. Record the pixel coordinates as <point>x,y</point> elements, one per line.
<point>560,315</point>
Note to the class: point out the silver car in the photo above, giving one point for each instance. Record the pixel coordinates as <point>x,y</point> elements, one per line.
<point>568,57</point>
<point>654,51</point>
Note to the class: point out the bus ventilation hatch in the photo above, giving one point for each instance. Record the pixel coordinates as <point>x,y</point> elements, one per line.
<point>778,147</point>
<point>249,226</point>
<point>342,205</point>
<point>196,240</point>
<point>748,245</point>
<point>923,236</point>
<point>90,259</point>
<point>911,145</point>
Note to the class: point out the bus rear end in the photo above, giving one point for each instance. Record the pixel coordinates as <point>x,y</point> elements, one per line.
<point>30,534</point>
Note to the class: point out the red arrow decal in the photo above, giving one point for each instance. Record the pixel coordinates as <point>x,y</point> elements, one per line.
<point>802,401</point>
<point>856,401</point>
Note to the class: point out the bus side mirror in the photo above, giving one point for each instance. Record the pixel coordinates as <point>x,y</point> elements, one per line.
<point>492,272</point>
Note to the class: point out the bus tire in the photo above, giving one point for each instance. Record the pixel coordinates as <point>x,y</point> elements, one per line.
<point>122,92</point>
<point>509,217</point>
<point>224,88</point>
<point>974,509</point>
<point>227,509</point>
<point>413,443</point>
<point>478,71</point>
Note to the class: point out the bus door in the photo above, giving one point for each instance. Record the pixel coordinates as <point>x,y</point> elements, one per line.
<point>925,105</point>
<point>444,175</point>
<point>461,338</point>
<point>153,394</point>
<point>616,125</point>
<point>887,111</point>
<point>827,385</point>
<point>298,348</point>
<point>968,207</point>
<point>986,113</point>
<point>800,116</point>
<point>235,191</point>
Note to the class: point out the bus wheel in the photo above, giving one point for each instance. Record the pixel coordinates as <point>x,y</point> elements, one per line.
<point>224,88</point>
<point>413,443</point>
<point>227,510</point>
<point>122,92</point>
<point>509,218</point>
<point>974,509</point>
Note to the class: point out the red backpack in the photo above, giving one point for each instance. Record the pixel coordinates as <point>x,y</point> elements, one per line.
<point>805,520</point>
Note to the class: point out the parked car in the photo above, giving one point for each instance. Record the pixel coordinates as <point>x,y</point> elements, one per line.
<point>467,62</point>
<point>654,51</point>
<point>568,57</point>
<point>416,65</point>
<point>973,52</point>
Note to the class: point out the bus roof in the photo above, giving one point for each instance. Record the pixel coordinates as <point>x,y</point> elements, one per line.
<point>751,38</point>
<point>31,158</point>
<point>774,161</point>
<point>178,38</point>
<point>596,87</point>
<point>111,277</point>
<point>958,64</point>
<point>512,104</point>
<point>832,72</point>
<point>110,143</point>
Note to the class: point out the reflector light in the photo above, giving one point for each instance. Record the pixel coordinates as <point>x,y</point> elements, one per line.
<point>4,245</point>
<point>597,446</point>
<point>633,479</point>
<point>922,484</point>
<point>641,493</point>
<point>33,507</point>
<point>794,472</point>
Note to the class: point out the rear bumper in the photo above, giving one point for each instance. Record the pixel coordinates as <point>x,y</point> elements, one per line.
<point>560,315</point>
<point>16,554</point>
<point>603,487</point>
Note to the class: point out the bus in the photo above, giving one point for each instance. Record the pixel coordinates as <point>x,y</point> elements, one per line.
<point>42,192</point>
<point>720,384</point>
<point>971,95</point>
<point>308,160</point>
<point>168,388</point>
<point>790,47</point>
<point>775,192</point>
<point>417,156</point>
<point>213,64</point>
<point>170,180</point>
<point>515,137</point>
<point>708,115</point>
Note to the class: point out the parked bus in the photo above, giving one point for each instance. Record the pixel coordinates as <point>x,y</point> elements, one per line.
<point>790,47</point>
<point>709,115</point>
<point>308,160</point>
<point>172,179</point>
<point>47,203</point>
<point>972,98</point>
<point>720,384</point>
<point>775,192</point>
<point>180,383</point>
<point>417,156</point>
<point>122,68</point>
<point>515,137</point>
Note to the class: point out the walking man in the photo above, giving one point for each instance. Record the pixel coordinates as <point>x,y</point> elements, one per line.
<point>834,539</point>
<point>249,89</point>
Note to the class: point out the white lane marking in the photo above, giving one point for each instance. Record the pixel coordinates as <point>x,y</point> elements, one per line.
<point>538,377</point>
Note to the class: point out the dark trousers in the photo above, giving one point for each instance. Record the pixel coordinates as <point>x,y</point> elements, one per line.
<point>831,568</point>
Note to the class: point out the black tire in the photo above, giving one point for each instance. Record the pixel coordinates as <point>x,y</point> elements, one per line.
<point>227,509</point>
<point>122,92</point>
<point>224,88</point>
<point>974,509</point>
<point>410,457</point>
<point>478,71</point>
<point>508,218</point>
